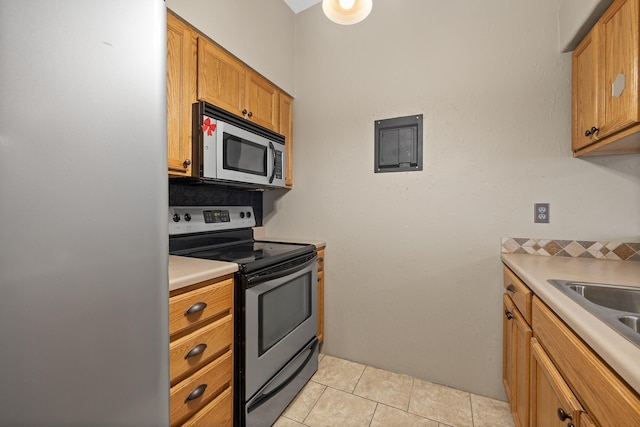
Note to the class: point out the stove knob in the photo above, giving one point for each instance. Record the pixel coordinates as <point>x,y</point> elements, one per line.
<point>241,214</point>
<point>187,217</point>
<point>248,214</point>
<point>176,218</point>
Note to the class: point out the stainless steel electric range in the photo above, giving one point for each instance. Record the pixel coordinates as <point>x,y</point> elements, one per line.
<point>276,349</point>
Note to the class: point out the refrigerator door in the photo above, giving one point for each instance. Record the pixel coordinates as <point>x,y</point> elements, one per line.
<point>83,205</point>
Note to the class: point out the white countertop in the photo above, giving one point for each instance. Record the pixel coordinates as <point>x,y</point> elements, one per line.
<point>318,244</point>
<point>259,233</point>
<point>535,270</point>
<point>185,271</point>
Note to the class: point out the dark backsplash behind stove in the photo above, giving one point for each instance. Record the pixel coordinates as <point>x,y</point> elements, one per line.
<point>196,194</point>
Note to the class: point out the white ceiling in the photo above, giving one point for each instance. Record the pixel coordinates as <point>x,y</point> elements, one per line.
<point>299,5</point>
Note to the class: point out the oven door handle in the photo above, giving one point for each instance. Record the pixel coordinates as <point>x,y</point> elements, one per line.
<point>273,389</point>
<point>253,279</point>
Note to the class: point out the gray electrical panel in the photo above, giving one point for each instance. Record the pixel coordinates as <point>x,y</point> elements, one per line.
<point>398,144</point>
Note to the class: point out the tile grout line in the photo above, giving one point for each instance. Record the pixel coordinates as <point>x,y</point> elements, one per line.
<point>473,422</point>
<point>314,403</point>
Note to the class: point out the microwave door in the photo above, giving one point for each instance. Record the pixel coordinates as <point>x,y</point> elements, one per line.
<point>242,157</point>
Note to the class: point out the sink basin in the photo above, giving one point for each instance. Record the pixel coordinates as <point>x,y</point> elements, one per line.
<point>621,298</point>
<point>631,321</point>
<point>617,306</point>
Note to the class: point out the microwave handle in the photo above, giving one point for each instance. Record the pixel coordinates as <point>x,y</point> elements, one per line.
<point>273,167</point>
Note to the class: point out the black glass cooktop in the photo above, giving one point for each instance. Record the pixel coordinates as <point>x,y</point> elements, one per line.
<point>251,256</point>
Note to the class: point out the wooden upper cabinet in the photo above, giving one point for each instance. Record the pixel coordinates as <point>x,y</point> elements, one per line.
<point>286,129</point>
<point>221,77</point>
<point>605,84</point>
<point>182,52</point>
<point>619,66</point>
<point>223,80</point>
<point>200,70</point>
<point>584,91</point>
<point>261,101</point>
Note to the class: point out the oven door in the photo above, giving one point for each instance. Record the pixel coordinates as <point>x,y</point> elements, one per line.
<point>281,317</point>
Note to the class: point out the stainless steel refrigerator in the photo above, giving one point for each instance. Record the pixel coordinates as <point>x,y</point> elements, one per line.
<point>83,205</point>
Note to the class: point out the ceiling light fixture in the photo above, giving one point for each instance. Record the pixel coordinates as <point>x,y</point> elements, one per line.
<point>347,12</point>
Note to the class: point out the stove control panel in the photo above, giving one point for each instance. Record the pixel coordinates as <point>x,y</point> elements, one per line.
<point>197,219</point>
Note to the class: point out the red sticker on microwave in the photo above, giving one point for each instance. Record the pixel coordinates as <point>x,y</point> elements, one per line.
<point>208,127</point>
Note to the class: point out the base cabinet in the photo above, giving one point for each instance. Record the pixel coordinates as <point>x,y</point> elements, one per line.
<point>201,354</point>
<point>517,341</point>
<point>551,376</point>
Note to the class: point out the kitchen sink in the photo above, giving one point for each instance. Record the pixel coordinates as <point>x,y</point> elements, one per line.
<point>621,298</point>
<point>617,306</point>
<point>631,321</point>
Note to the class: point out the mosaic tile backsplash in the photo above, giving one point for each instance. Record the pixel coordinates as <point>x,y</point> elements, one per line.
<point>572,248</point>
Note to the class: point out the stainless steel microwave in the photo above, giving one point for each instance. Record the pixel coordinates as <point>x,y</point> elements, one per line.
<point>232,150</point>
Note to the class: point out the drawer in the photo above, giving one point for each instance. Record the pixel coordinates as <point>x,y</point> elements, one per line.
<point>204,344</point>
<point>320,253</point>
<point>206,302</point>
<point>218,413</point>
<point>213,377</point>
<point>609,400</point>
<point>519,293</point>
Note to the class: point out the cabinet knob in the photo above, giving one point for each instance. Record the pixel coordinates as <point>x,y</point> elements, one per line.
<point>250,114</point>
<point>511,288</point>
<point>244,112</point>
<point>563,415</point>
<point>187,163</point>
<point>508,314</point>
<point>591,131</point>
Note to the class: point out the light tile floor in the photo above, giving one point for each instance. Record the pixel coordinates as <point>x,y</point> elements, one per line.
<point>349,394</point>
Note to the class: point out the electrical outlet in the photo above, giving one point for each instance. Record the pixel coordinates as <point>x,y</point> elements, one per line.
<point>541,213</point>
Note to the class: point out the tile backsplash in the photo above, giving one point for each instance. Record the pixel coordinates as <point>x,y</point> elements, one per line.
<point>572,248</point>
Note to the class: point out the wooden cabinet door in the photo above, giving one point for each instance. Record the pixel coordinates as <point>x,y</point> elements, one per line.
<point>286,129</point>
<point>221,77</point>
<point>584,91</point>
<point>619,44</point>
<point>261,101</point>
<point>182,51</point>
<point>550,394</point>
<point>522,356</point>
<point>508,372</point>
<point>516,359</point>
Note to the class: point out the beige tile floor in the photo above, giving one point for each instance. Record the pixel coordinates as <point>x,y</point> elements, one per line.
<point>349,394</point>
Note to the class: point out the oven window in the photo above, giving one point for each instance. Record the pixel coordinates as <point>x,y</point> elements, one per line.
<point>244,156</point>
<point>282,309</point>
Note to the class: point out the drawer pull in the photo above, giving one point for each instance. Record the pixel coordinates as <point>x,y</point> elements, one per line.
<point>563,415</point>
<point>511,288</point>
<point>196,393</point>
<point>196,351</point>
<point>195,308</point>
<point>320,259</point>
<point>508,314</point>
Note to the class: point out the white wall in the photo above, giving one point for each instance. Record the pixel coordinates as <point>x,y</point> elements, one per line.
<point>576,18</point>
<point>260,33</point>
<point>413,272</point>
